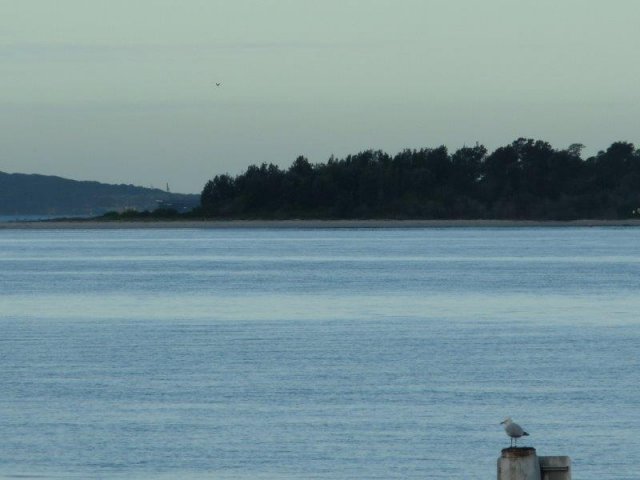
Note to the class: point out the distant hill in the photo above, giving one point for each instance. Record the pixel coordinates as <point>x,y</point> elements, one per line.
<point>22,194</point>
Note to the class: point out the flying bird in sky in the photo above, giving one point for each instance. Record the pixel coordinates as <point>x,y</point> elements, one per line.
<point>218,84</point>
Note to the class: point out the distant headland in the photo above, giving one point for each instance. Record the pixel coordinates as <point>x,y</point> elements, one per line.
<point>525,181</point>
<point>34,196</point>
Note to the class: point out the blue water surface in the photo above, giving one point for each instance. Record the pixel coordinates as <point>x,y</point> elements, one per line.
<point>317,354</point>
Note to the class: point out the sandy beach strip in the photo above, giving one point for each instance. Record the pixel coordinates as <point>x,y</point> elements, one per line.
<point>265,224</point>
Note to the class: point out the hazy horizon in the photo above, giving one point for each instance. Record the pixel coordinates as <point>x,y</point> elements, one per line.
<point>124,92</point>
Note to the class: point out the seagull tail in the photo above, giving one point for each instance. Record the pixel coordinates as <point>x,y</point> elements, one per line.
<point>525,434</point>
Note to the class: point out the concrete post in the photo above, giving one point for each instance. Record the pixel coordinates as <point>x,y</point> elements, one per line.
<point>555,468</point>
<point>519,463</point>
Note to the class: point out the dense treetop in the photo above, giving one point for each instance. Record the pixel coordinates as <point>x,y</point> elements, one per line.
<point>527,179</point>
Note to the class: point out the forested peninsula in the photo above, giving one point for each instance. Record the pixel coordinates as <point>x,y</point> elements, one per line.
<point>526,180</point>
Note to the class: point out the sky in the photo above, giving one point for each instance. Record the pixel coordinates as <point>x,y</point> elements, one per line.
<point>124,91</point>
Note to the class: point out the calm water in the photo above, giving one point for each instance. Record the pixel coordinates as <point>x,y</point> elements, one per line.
<point>317,354</point>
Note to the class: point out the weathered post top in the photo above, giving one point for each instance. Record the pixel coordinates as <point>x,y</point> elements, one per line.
<point>517,452</point>
<point>522,463</point>
<point>519,463</point>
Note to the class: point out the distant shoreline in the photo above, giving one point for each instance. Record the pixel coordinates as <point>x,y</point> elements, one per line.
<point>311,224</point>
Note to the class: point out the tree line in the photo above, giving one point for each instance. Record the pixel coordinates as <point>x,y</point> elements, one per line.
<point>528,179</point>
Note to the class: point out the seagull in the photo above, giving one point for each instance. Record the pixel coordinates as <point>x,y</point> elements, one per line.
<point>514,430</point>
<point>218,84</point>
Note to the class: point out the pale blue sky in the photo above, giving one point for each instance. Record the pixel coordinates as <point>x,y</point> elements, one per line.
<point>124,91</point>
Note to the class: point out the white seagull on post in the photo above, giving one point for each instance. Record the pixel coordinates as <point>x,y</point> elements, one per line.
<point>514,430</point>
